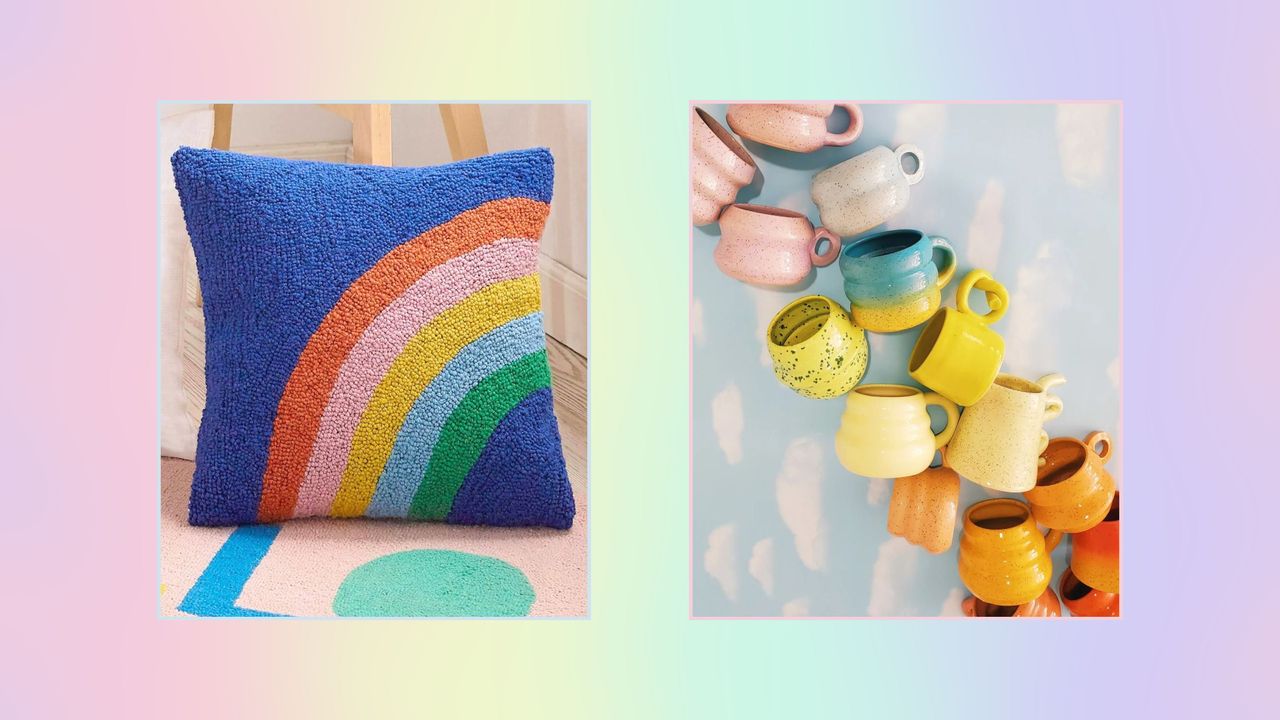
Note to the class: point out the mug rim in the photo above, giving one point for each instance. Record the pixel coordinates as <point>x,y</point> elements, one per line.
<point>1077,462</point>
<point>770,211</point>
<point>848,254</point>
<point>913,392</point>
<point>832,305</point>
<point>1023,509</point>
<point>726,137</point>
<point>1021,380</point>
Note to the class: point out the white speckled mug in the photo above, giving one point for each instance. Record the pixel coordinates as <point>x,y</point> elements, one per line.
<point>867,189</point>
<point>719,167</point>
<point>795,127</point>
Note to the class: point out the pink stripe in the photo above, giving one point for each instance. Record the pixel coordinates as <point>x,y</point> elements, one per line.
<point>382,342</point>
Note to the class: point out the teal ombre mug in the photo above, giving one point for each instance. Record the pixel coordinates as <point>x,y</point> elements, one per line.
<point>892,280</point>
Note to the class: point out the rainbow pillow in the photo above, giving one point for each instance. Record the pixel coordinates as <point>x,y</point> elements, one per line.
<point>374,342</point>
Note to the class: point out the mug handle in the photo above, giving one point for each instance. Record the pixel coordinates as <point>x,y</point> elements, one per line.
<point>850,133</point>
<point>1052,403</point>
<point>997,296</point>
<point>1051,539</point>
<point>953,414</point>
<point>903,150</point>
<point>833,249</point>
<point>1099,437</point>
<point>948,270</point>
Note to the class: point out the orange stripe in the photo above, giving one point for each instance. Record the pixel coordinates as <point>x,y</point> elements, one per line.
<point>307,391</point>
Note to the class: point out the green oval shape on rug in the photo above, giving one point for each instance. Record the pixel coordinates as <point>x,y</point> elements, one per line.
<point>434,583</point>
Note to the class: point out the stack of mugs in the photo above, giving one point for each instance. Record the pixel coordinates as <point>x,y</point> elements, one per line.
<point>994,435</point>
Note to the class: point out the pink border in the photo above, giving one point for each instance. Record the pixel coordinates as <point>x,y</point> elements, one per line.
<point>1120,283</point>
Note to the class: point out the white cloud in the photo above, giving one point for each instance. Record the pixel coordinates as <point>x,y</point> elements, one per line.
<point>799,491</point>
<point>923,125</point>
<point>1041,288</point>
<point>878,491</point>
<point>721,559</point>
<point>1083,142</point>
<point>1115,372</point>
<point>726,420</point>
<point>761,565</point>
<point>696,327</point>
<point>798,607</point>
<point>951,607</point>
<point>891,576</point>
<point>986,229</point>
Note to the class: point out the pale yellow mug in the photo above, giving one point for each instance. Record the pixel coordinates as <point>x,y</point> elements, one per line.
<point>999,439</point>
<point>885,432</point>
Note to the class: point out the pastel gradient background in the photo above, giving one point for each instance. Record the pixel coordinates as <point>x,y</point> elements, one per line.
<point>78,315</point>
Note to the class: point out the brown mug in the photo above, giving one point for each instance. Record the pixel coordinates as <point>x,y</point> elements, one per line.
<point>1073,490</point>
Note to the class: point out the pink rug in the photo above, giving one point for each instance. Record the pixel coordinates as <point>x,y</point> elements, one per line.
<point>301,570</point>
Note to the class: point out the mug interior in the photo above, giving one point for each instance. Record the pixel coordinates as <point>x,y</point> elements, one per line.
<point>881,244</point>
<point>1063,459</point>
<point>885,391</point>
<point>928,338</point>
<point>1072,588</point>
<point>800,321</point>
<point>1017,384</point>
<point>726,137</point>
<point>768,210</point>
<point>982,608</point>
<point>998,514</point>
<point>1113,515</point>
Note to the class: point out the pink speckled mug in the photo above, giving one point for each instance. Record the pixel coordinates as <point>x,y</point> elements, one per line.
<point>798,128</point>
<point>771,246</point>
<point>720,167</point>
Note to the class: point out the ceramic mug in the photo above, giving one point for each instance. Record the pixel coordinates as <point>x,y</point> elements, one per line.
<point>1084,601</point>
<point>798,128</point>
<point>1095,553</point>
<point>923,508</point>
<point>957,355</point>
<point>892,280</point>
<point>1046,605</point>
<point>867,189</point>
<point>885,432</point>
<point>771,246</point>
<point>720,167</point>
<point>816,350</point>
<point>1073,491</point>
<point>1004,560</point>
<point>999,439</point>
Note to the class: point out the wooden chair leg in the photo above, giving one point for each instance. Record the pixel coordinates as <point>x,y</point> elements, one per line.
<point>222,126</point>
<point>464,129</point>
<point>371,135</point>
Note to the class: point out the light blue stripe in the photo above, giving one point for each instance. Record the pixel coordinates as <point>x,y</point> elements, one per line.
<point>407,465</point>
<point>219,586</point>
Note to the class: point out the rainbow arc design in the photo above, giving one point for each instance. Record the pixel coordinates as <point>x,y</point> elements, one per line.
<point>425,371</point>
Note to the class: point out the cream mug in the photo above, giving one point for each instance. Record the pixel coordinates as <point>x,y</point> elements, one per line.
<point>999,439</point>
<point>885,431</point>
<point>771,246</point>
<point>865,190</point>
<point>719,167</point>
<point>796,127</point>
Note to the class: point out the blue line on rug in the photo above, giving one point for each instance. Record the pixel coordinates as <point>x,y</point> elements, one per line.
<point>219,586</point>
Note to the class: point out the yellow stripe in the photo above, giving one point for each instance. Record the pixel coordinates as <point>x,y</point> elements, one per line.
<point>422,359</point>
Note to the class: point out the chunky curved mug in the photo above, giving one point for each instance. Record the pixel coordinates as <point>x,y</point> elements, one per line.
<point>1003,558</point>
<point>719,167</point>
<point>892,280</point>
<point>1084,601</point>
<point>1073,491</point>
<point>771,246</point>
<point>999,439</point>
<point>816,350</point>
<point>885,431</point>
<point>1046,605</point>
<point>795,127</point>
<point>923,508</point>
<point>1095,553</point>
<point>957,355</point>
<point>865,190</point>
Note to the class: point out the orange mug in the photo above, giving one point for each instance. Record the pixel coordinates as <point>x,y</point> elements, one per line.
<point>1073,491</point>
<point>1004,560</point>
<point>1046,605</point>
<point>1084,601</point>
<point>923,508</point>
<point>1095,553</point>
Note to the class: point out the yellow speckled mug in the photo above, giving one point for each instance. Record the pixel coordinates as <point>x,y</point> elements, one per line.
<point>999,439</point>
<point>957,355</point>
<point>885,433</point>
<point>817,351</point>
<point>1004,560</point>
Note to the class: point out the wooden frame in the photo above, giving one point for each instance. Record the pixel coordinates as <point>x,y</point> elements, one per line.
<point>371,130</point>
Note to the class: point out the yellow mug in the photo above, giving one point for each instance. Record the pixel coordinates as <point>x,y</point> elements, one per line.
<point>816,349</point>
<point>1004,560</point>
<point>999,439</point>
<point>885,432</point>
<point>957,355</point>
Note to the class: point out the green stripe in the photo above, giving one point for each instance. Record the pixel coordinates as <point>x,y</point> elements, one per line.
<point>467,431</point>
